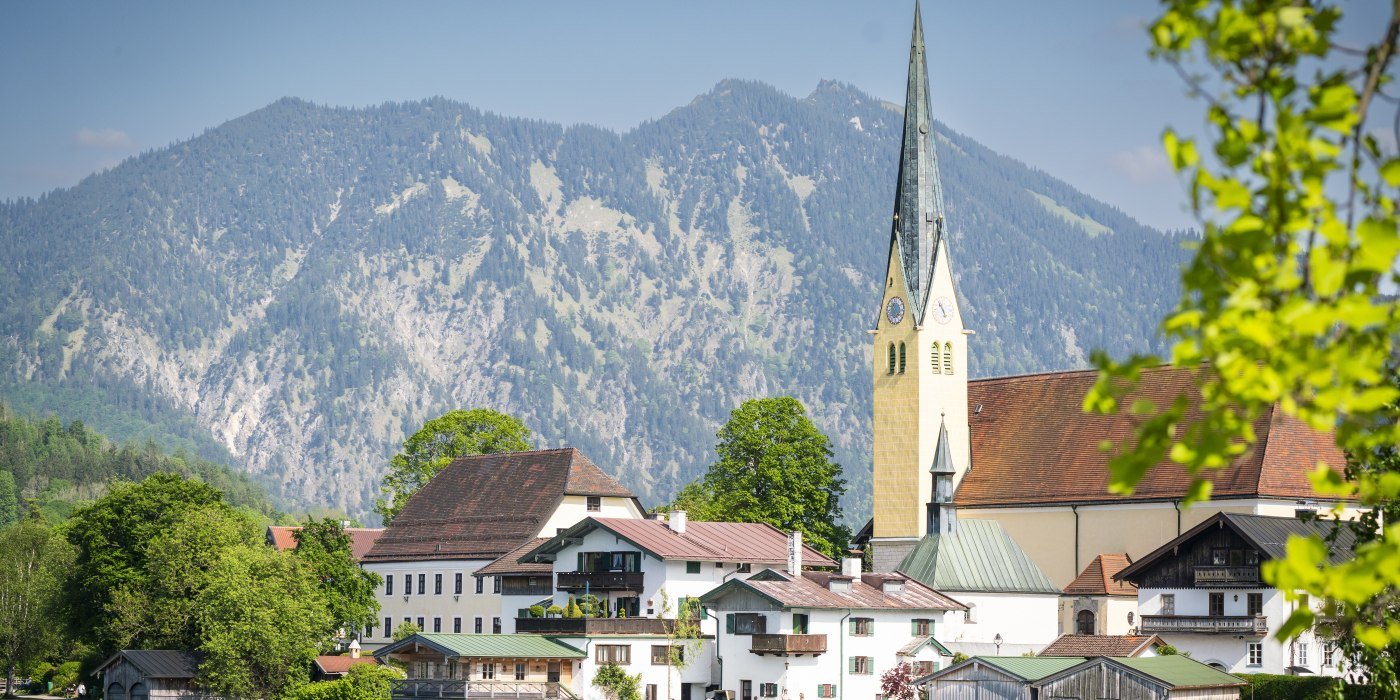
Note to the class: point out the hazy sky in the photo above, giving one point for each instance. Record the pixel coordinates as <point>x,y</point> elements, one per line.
<point>1064,85</point>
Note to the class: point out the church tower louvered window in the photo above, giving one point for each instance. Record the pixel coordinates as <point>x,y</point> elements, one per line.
<point>936,357</point>
<point>947,358</point>
<point>891,367</point>
<point>901,358</point>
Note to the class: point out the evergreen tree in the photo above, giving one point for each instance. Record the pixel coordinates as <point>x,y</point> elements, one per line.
<point>9,499</point>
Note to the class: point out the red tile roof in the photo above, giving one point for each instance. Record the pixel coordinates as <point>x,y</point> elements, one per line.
<point>341,663</point>
<point>509,563</point>
<point>811,590</point>
<point>1032,443</point>
<point>361,538</point>
<point>482,506</point>
<point>756,543</point>
<point>1100,645</point>
<point>1097,579</point>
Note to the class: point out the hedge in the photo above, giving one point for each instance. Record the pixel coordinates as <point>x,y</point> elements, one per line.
<point>1263,686</point>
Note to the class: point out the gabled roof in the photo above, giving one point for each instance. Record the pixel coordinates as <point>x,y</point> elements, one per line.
<point>483,506</point>
<point>977,556</point>
<point>1101,645</point>
<point>361,538</point>
<point>157,663</point>
<point>1266,533</point>
<point>1032,444</point>
<point>756,543</point>
<point>1173,672</point>
<point>512,646</point>
<point>341,663</point>
<point>811,590</point>
<point>1025,668</point>
<point>1097,579</point>
<point>918,643</point>
<point>510,563</point>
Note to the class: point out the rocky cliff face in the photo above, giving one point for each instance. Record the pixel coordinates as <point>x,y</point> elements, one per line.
<point>303,286</point>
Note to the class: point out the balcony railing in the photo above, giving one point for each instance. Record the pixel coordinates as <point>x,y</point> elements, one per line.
<point>1207,576</point>
<point>600,581</point>
<point>1249,625</point>
<point>593,625</point>
<point>413,689</point>
<point>788,644</point>
<point>514,586</point>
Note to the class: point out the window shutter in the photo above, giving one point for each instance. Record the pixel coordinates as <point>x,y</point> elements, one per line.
<point>729,623</point>
<point>914,627</point>
<point>853,664</point>
<point>852,626</point>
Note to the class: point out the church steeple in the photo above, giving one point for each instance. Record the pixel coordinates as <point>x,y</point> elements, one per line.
<point>917,229</point>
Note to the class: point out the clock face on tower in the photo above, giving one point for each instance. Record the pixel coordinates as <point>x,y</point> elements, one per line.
<point>943,309</point>
<point>895,310</point>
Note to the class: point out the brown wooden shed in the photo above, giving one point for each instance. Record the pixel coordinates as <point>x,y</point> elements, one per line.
<point>148,674</point>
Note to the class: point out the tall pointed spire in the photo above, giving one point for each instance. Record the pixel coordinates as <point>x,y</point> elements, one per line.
<point>918,203</point>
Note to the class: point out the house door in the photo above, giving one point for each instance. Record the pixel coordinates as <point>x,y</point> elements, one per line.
<point>553,673</point>
<point>685,691</point>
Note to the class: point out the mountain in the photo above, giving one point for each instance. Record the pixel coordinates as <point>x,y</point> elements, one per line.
<point>300,288</point>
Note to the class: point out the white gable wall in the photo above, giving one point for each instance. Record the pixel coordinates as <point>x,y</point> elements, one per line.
<point>1025,621</point>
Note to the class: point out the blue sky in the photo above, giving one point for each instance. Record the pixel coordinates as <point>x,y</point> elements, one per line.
<point>1064,86</point>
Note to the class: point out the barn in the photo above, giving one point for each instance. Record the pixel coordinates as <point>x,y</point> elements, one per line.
<point>995,677</point>
<point>1075,677</point>
<point>151,674</point>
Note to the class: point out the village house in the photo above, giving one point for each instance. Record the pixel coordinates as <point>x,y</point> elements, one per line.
<point>1121,645</point>
<point>1202,592</point>
<point>470,514</point>
<point>1096,604</point>
<point>523,666</point>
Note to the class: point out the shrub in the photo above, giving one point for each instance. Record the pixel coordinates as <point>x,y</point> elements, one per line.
<point>1263,686</point>
<point>553,611</point>
<point>616,683</point>
<point>537,610</point>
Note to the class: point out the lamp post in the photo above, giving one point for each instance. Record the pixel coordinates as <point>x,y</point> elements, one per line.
<point>997,641</point>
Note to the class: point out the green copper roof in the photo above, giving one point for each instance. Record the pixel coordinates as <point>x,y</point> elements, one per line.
<point>515,646</point>
<point>918,204</point>
<point>1179,671</point>
<point>978,556</point>
<point>942,457</point>
<point>1031,668</point>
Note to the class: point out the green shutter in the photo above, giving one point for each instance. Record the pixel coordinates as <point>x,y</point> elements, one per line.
<point>914,627</point>
<point>851,630</point>
<point>729,623</point>
<point>852,661</point>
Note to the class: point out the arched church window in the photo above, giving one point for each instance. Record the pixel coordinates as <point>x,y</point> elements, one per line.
<point>947,358</point>
<point>936,357</point>
<point>901,358</point>
<point>1084,623</point>
<point>891,367</point>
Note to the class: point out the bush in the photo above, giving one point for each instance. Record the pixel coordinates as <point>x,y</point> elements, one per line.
<point>64,675</point>
<point>617,684</point>
<point>553,611</point>
<point>1263,686</point>
<point>536,611</point>
<point>363,682</point>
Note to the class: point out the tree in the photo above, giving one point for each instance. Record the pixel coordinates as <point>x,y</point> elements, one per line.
<point>683,638</point>
<point>617,684</point>
<point>262,620</point>
<point>9,499</point>
<point>348,590</point>
<point>31,571</point>
<point>775,467</point>
<point>1287,302</point>
<point>405,630</point>
<point>453,434</point>
<point>898,682</point>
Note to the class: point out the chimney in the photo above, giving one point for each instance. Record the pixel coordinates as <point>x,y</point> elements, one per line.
<point>345,524</point>
<point>893,585</point>
<point>795,553</point>
<point>354,648</point>
<point>850,566</point>
<point>678,522</point>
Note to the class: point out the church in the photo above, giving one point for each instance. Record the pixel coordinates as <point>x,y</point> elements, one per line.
<point>1017,454</point>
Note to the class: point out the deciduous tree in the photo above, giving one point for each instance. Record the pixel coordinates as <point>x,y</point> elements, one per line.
<point>32,567</point>
<point>348,590</point>
<point>441,440</point>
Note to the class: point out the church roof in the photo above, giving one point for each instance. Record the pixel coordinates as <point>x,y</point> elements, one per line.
<point>1097,579</point>
<point>977,557</point>
<point>482,506</point>
<point>1033,444</point>
<point>918,224</point>
<point>942,453</point>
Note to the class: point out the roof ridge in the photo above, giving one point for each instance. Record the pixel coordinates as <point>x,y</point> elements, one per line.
<point>1066,372</point>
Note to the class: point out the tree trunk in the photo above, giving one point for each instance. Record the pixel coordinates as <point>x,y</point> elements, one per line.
<point>10,681</point>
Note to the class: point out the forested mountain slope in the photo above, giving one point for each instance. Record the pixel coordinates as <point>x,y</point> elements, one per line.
<point>302,286</point>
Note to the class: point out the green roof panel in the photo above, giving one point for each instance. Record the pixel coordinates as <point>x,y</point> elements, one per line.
<point>978,556</point>
<point>1179,671</point>
<point>517,646</point>
<point>1032,668</point>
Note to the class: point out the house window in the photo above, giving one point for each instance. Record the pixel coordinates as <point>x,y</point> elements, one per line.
<point>437,624</point>
<point>1329,654</point>
<point>744,568</point>
<point>519,671</point>
<point>369,630</point>
<point>947,358</point>
<point>768,690</point>
<point>478,626</point>
<point>422,584</point>
<point>659,657</point>
<point>457,584</point>
<point>936,358</point>
<point>437,584</point>
<point>746,690</point>
<point>745,623</point>
<point>1084,622</point>
<point>901,358</point>
<point>651,691</point>
<point>922,628</point>
<point>800,623</point>
<point>1217,605</point>
<point>1251,557</point>
<point>620,654</point>
<point>595,504</point>
<point>456,625</point>
<point>388,627</point>
<point>1168,603</point>
<point>862,665</point>
<point>1255,653</point>
<point>692,567</point>
<point>420,624</point>
<point>389,584</point>
<point>1302,653</point>
<point>1219,556</point>
<point>488,672</point>
<point>495,584</point>
<point>862,627</point>
<point>479,585</point>
<point>495,625</point>
<point>826,690</point>
<point>1256,603</point>
<point>923,668</point>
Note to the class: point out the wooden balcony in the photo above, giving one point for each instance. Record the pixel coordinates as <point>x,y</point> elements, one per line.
<point>1226,576</point>
<point>600,581</point>
<point>416,689</point>
<point>593,625</point>
<point>788,644</point>
<point>1246,625</point>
